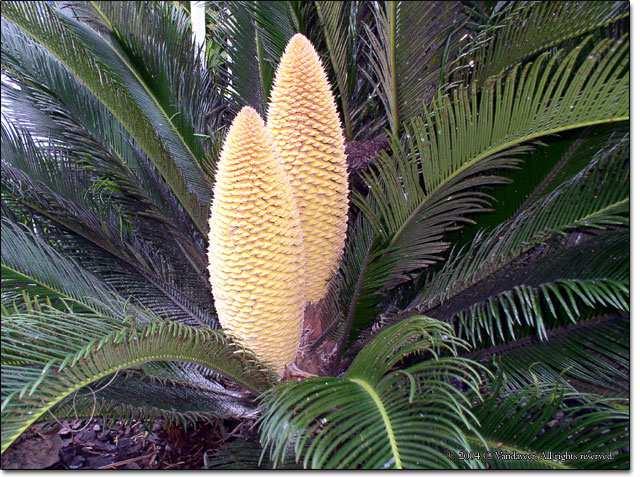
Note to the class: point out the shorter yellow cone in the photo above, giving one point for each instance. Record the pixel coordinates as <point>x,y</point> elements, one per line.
<point>255,245</point>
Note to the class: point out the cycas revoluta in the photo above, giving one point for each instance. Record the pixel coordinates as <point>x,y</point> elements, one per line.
<point>306,131</point>
<point>255,245</point>
<point>111,126</point>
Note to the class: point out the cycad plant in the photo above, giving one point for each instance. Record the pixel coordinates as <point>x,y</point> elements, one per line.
<point>391,234</point>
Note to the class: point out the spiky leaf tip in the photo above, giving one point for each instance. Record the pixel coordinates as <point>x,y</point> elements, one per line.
<point>305,126</point>
<point>255,245</point>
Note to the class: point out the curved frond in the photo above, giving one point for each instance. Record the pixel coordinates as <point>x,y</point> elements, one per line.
<point>521,29</point>
<point>157,39</point>
<point>590,356</point>
<point>75,214</point>
<point>33,267</point>
<point>52,103</point>
<point>254,36</point>
<point>433,180</point>
<point>276,22</point>
<point>377,417</point>
<point>563,430</point>
<point>130,395</point>
<point>555,285</point>
<point>28,392</point>
<point>235,30</point>
<point>522,307</point>
<point>408,49</point>
<point>341,304</point>
<point>104,70</point>
<point>480,283</point>
<point>343,25</point>
<point>334,18</point>
<point>47,181</point>
<point>579,152</point>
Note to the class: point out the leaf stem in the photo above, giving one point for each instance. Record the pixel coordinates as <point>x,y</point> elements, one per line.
<point>385,418</point>
<point>497,149</point>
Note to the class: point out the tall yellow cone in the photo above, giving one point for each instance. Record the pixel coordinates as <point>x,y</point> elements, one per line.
<point>255,245</point>
<point>305,126</point>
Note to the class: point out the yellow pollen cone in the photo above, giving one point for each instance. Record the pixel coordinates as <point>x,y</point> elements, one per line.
<point>255,245</point>
<point>305,126</point>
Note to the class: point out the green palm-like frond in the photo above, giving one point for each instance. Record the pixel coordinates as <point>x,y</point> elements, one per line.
<point>554,282</point>
<point>341,304</point>
<point>276,22</point>
<point>254,36</point>
<point>343,31</point>
<point>590,356</point>
<point>194,393</point>
<point>376,416</point>
<point>522,307</point>
<point>557,422</point>
<point>45,180</point>
<point>592,271</point>
<point>521,29</point>
<point>434,179</point>
<point>579,152</point>
<point>164,56</point>
<point>53,103</point>
<point>74,216</point>
<point>110,76</point>
<point>33,267</point>
<point>335,23</point>
<point>30,391</point>
<point>236,28</point>
<point>112,124</point>
<point>408,49</point>
<point>132,395</point>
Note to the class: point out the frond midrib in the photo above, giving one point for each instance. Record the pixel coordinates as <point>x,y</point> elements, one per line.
<point>385,418</point>
<point>498,266</point>
<point>115,253</point>
<point>353,302</point>
<point>144,85</point>
<point>495,150</point>
<point>557,42</point>
<point>104,373</point>
<point>559,333</point>
<point>79,385</point>
<point>393,97</point>
<point>342,89</point>
<point>61,293</point>
<point>182,198</point>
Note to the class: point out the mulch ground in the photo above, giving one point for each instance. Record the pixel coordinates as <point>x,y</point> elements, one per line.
<point>80,444</point>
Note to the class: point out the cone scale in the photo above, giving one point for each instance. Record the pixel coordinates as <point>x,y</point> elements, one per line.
<point>305,127</point>
<point>255,245</point>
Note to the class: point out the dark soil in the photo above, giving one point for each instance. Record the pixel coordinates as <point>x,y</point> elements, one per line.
<point>91,445</point>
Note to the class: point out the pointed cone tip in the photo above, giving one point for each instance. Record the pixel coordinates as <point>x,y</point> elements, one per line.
<point>247,118</point>
<point>299,42</point>
<point>248,112</point>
